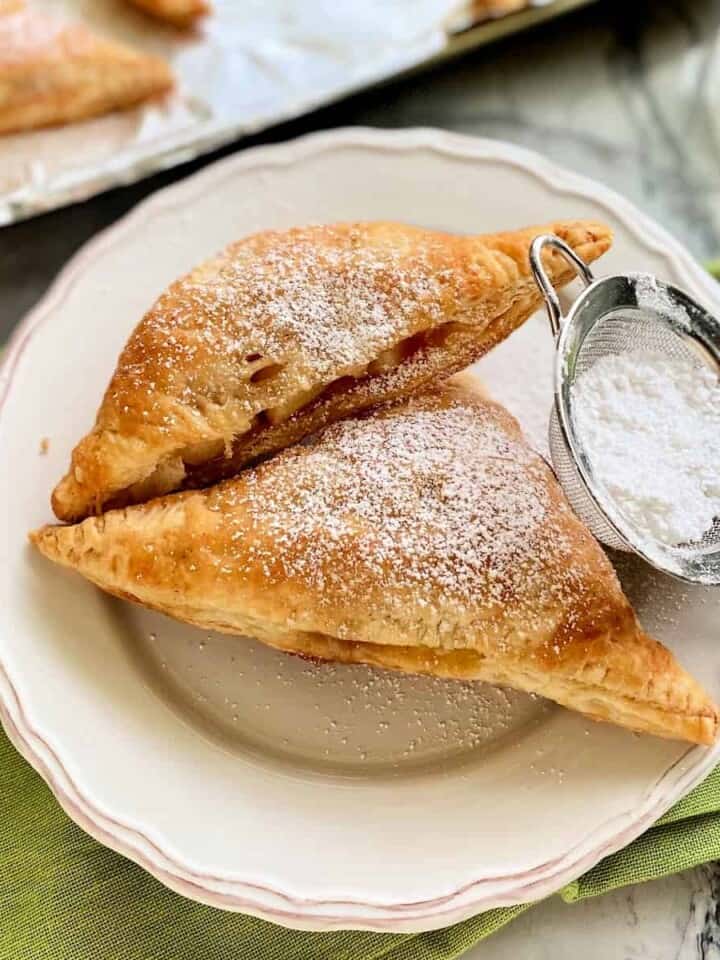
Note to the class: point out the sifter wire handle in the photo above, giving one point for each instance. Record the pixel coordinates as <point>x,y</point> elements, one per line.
<point>552,301</point>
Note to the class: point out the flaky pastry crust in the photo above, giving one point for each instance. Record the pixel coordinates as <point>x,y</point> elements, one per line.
<point>425,537</point>
<point>179,13</point>
<point>285,332</point>
<point>52,72</point>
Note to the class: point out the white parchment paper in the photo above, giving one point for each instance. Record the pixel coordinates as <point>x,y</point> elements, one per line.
<point>251,64</point>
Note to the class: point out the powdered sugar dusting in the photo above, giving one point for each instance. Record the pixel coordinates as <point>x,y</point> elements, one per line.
<point>438,504</point>
<point>316,299</point>
<point>316,303</point>
<point>31,33</point>
<point>326,299</point>
<point>23,32</point>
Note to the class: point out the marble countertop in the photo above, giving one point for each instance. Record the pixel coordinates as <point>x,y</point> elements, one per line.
<point>628,93</point>
<point>677,918</point>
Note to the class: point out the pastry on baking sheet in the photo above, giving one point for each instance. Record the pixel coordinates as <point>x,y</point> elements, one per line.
<point>180,13</point>
<point>473,13</point>
<point>10,6</point>
<point>489,9</point>
<point>53,72</point>
<point>284,332</point>
<point>425,536</point>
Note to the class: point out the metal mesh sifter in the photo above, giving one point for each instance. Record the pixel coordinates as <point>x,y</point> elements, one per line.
<point>613,315</point>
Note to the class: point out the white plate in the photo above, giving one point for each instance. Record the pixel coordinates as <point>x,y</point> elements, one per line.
<point>314,796</point>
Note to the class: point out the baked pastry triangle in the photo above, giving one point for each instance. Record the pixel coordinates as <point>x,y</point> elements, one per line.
<point>481,10</point>
<point>285,332</point>
<point>179,13</point>
<point>425,537</point>
<point>52,72</point>
<point>10,6</point>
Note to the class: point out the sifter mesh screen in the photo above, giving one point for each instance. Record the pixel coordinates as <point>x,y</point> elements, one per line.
<point>621,313</point>
<point>616,333</point>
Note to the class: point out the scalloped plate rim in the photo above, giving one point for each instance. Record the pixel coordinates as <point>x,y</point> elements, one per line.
<point>258,899</point>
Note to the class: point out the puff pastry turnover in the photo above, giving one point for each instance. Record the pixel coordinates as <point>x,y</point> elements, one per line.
<point>425,537</point>
<point>479,10</point>
<point>52,72</point>
<point>180,13</point>
<point>10,6</point>
<point>283,333</point>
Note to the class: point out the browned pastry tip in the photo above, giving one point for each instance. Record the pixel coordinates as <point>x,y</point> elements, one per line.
<point>10,6</point>
<point>178,13</point>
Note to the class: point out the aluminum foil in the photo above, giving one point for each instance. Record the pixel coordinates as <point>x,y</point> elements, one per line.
<point>250,65</point>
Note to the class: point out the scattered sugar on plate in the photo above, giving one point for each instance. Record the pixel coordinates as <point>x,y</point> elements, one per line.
<point>650,427</point>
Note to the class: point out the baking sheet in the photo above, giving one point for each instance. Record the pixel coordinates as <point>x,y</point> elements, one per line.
<point>249,66</point>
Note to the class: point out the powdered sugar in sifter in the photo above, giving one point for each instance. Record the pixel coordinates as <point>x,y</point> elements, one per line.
<point>613,315</point>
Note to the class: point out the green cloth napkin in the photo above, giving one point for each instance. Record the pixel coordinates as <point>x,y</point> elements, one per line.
<point>65,897</point>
